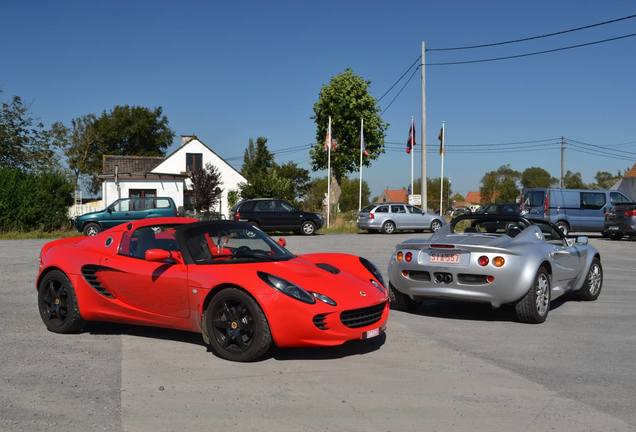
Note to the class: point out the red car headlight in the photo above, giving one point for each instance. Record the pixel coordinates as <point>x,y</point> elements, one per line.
<point>287,288</point>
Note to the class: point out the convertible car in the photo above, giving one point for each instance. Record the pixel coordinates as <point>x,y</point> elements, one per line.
<point>227,280</point>
<point>496,259</point>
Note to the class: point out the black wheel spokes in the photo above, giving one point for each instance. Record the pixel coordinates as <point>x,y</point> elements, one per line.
<point>233,326</point>
<point>55,301</point>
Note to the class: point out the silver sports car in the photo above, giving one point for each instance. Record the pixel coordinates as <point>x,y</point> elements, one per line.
<point>496,259</point>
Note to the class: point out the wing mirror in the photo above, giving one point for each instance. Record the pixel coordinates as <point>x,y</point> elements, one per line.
<point>109,209</point>
<point>282,242</point>
<point>158,255</point>
<point>583,240</point>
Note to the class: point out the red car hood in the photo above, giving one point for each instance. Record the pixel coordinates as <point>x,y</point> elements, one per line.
<point>351,287</point>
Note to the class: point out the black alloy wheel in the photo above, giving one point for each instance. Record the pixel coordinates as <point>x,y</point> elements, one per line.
<point>58,305</point>
<point>237,327</point>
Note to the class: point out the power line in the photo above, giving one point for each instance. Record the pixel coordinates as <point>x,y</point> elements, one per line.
<point>625,152</point>
<point>534,37</point>
<point>399,79</point>
<point>532,53</point>
<point>401,89</point>
<point>596,153</point>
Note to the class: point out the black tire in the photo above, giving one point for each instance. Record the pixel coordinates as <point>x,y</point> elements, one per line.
<point>91,229</point>
<point>593,284</point>
<point>616,236</point>
<point>237,327</point>
<point>400,301</point>
<point>308,228</point>
<point>534,307</point>
<point>388,227</point>
<point>564,227</point>
<point>435,225</point>
<point>58,304</point>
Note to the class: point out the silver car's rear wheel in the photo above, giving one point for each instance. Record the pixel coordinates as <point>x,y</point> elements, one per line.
<point>388,227</point>
<point>533,308</point>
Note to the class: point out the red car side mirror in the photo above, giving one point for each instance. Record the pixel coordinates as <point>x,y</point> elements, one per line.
<point>157,255</point>
<point>282,242</point>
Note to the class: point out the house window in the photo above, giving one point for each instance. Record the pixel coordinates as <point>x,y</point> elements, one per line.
<point>194,161</point>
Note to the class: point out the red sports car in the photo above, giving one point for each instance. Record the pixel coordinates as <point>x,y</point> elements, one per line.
<point>227,280</point>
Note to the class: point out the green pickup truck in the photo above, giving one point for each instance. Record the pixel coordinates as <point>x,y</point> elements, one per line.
<point>124,210</point>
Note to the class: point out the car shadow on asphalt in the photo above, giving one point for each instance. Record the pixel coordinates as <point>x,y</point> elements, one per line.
<point>351,348</point>
<point>100,328</point>
<point>467,311</point>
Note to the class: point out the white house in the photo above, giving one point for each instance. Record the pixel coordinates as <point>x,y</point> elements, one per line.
<point>147,176</point>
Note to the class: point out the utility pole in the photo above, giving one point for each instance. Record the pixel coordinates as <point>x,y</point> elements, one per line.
<point>562,162</point>
<point>423,185</point>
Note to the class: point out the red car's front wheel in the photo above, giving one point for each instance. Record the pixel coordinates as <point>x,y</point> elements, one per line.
<point>237,327</point>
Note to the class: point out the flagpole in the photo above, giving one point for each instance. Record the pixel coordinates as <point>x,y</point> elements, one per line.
<point>412,151</point>
<point>361,143</point>
<point>441,186</point>
<point>328,171</point>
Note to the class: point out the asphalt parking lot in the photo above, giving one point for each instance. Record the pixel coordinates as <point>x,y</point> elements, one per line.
<point>450,367</point>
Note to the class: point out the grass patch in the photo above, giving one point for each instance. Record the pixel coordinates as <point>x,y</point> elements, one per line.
<point>31,235</point>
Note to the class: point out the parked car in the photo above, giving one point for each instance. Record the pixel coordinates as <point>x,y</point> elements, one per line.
<point>621,221</point>
<point>495,259</point>
<point>571,209</point>
<point>124,210</point>
<point>459,211</point>
<point>229,281</point>
<point>276,215</point>
<point>391,217</point>
<point>501,208</point>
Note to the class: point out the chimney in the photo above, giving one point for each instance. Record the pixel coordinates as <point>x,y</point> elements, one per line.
<point>186,138</point>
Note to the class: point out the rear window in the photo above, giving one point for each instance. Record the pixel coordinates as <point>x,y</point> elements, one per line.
<point>162,203</point>
<point>246,206</point>
<point>534,198</point>
<point>382,209</point>
<point>592,200</point>
<point>368,208</point>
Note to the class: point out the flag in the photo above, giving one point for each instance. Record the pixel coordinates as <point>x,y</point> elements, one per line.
<point>363,145</point>
<point>329,140</point>
<point>411,141</point>
<point>440,137</point>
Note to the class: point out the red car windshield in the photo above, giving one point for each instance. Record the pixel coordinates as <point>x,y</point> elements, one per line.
<point>223,243</point>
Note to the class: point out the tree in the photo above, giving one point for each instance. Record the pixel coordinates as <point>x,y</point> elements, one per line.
<point>77,143</point>
<point>457,197</point>
<point>25,143</point>
<point>500,185</point>
<point>316,195</point>
<point>124,130</point>
<point>432,191</point>
<point>265,178</point>
<point>205,187</point>
<point>346,100</point>
<point>573,180</point>
<point>348,199</point>
<point>536,177</point>
<point>605,180</point>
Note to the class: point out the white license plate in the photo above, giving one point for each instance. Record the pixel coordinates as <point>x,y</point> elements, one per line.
<point>613,228</point>
<point>444,258</point>
<point>371,333</point>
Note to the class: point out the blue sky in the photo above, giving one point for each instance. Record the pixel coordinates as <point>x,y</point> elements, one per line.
<point>234,70</point>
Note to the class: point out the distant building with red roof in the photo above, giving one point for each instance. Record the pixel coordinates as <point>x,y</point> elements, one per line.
<point>627,184</point>
<point>394,195</point>
<point>473,198</point>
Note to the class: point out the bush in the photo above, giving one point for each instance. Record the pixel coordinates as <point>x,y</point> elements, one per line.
<point>34,201</point>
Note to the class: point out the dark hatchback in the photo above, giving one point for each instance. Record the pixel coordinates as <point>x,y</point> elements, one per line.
<point>621,221</point>
<point>276,215</point>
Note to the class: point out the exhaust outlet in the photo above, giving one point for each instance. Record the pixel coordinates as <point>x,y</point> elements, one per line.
<point>439,277</point>
<point>448,278</point>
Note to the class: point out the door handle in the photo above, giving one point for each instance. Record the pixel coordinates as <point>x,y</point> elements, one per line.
<point>559,252</point>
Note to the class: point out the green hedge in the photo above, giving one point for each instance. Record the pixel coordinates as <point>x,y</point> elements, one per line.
<point>34,201</point>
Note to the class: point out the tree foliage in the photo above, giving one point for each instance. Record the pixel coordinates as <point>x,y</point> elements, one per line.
<point>25,143</point>
<point>536,177</point>
<point>573,180</point>
<point>124,130</point>
<point>265,178</point>
<point>78,143</point>
<point>34,201</point>
<point>346,99</point>
<point>499,186</point>
<point>605,180</point>
<point>205,182</point>
<point>348,199</point>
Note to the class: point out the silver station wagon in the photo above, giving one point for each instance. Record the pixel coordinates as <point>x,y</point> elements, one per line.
<point>391,217</point>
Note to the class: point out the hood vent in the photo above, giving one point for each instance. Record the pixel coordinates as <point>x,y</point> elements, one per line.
<point>90,275</point>
<point>328,268</point>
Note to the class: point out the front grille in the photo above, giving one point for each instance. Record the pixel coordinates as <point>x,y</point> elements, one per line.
<point>90,275</point>
<point>362,317</point>
<point>472,279</point>
<point>320,321</point>
<point>419,275</point>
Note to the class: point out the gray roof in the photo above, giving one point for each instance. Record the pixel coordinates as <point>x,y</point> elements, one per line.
<point>131,165</point>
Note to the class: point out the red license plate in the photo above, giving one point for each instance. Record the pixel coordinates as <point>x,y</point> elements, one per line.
<point>445,258</point>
